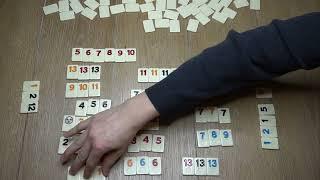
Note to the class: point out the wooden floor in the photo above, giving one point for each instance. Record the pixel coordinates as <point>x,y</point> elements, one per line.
<point>38,47</point>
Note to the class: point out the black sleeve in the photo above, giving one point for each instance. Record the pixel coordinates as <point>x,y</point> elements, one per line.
<point>241,60</point>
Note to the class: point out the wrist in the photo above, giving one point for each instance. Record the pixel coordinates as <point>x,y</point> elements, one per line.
<point>141,109</point>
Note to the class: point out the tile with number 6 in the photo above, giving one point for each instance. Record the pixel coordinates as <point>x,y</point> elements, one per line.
<point>130,166</point>
<point>154,165</point>
<point>142,165</point>
<point>104,104</point>
<point>87,55</point>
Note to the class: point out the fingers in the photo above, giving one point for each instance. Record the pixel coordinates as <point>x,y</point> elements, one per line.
<point>73,148</point>
<point>77,129</point>
<point>92,161</point>
<point>80,159</point>
<point>109,160</point>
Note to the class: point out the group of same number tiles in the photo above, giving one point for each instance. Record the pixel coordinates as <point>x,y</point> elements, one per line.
<point>30,97</point>
<point>104,55</point>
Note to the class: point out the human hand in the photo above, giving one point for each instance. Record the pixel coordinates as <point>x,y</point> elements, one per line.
<point>107,134</point>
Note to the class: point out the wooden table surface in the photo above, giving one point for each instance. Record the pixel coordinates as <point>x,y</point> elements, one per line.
<point>38,47</point>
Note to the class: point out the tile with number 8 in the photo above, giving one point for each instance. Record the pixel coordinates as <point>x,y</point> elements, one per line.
<point>214,137</point>
<point>109,54</point>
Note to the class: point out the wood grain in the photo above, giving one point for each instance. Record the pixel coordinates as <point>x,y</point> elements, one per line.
<point>38,47</point>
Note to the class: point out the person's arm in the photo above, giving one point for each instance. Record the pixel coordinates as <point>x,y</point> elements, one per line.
<point>241,60</point>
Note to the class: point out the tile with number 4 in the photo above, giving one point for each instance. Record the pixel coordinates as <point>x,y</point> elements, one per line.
<point>214,137</point>
<point>202,138</point>
<point>95,72</point>
<point>143,75</point>
<point>93,106</point>
<point>200,167</point>
<point>104,104</point>
<point>82,90</point>
<point>130,166</point>
<point>131,54</point>
<point>224,115</point>
<point>158,143</point>
<point>81,108</point>
<point>226,137</point>
<point>142,165</point>
<point>64,143</point>
<point>72,72</point>
<point>99,55</point>
<point>145,142</point>
<point>212,166</point>
<point>83,72</point>
<point>154,165</point>
<point>120,55</point>
<point>154,75</point>
<point>188,166</point>
<point>77,54</point>
<point>94,89</point>
<point>69,121</point>
<point>134,146</point>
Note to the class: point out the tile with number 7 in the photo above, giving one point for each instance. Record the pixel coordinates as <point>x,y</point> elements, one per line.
<point>224,115</point>
<point>99,55</point>
<point>203,138</point>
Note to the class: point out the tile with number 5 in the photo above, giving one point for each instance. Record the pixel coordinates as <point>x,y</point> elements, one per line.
<point>158,143</point>
<point>77,54</point>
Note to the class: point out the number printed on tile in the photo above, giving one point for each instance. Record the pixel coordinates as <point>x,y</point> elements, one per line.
<point>214,137</point>
<point>95,72</point>
<point>224,115</point>
<point>202,138</point>
<point>99,55</point>
<point>154,75</point>
<point>212,166</point>
<point>163,73</point>
<point>130,166</point>
<point>266,109</point>
<point>94,89</point>
<point>31,86</point>
<point>81,108</point>
<point>145,142</point>
<point>83,90</point>
<point>93,106</point>
<point>201,166</point>
<point>29,107</point>
<point>71,90</point>
<point>120,55</point>
<point>154,165</point>
<point>268,120</point>
<point>87,55</point>
<point>109,54</point>
<point>64,143</point>
<point>135,92</point>
<point>226,137</point>
<point>72,72</point>
<point>83,72</point>
<point>268,131</point>
<point>131,54</point>
<point>188,166</point>
<point>142,165</point>
<point>77,54</point>
<point>134,146</point>
<point>30,96</point>
<point>269,143</point>
<point>104,104</point>
<point>143,75</point>
<point>158,143</point>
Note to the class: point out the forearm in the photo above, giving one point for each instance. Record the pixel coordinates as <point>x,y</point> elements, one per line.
<point>241,60</point>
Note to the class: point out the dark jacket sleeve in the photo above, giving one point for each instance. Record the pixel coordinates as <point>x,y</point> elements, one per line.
<point>241,60</point>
